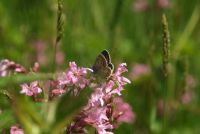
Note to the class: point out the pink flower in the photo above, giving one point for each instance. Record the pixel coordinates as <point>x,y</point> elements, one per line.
<point>139,70</point>
<point>7,66</point>
<point>96,117</point>
<point>97,98</point>
<point>108,87</point>
<point>40,48</point>
<point>103,128</point>
<point>123,111</point>
<point>31,90</point>
<point>117,75</point>
<point>16,130</point>
<point>96,114</point>
<point>120,80</point>
<point>60,57</point>
<point>74,76</point>
<point>140,5</point>
<point>187,97</point>
<point>35,67</point>
<point>163,3</point>
<point>99,110</point>
<point>4,67</point>
<point>57,92</point>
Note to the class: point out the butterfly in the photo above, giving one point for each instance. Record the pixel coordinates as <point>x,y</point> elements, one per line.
<point>103,66</point>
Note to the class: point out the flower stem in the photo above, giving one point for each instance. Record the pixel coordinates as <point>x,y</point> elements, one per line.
<point>166,47</point>
<point>112,27</point>
<point>59,29</point>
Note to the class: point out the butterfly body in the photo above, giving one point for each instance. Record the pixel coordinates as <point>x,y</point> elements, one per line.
<point>103,67</point>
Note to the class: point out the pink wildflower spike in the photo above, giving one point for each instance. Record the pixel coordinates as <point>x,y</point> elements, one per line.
<point>57,92</point>
<point>25,90</point>
<point>98,119</point>
<point>7,66</point>
<point>97,98</point>
<point>20,70</point>
<point>140,5</point>
<point>102,114</point>
<point>123,111</point>
<point>102,128</point>
<point>109,86</point>
<point>73,66</point>
<point>117,75</point>
<point>120,80</point>
<point>31,90</point>
<point>4,64</point>
<point>74,76</point>
<point>35,88</point>
<point>121,69</point>
<point>16,130</point>
<point>139,70</point>
<point>95,115</point>
<point>60,57</point>
<point>117,90</point>
<point>35,67</point>
<point>78,70</point>
<point>163,3</point>
<point>99,111</point>
<point>40,48</point>
<point>187,97</point>
<point>64,79</point>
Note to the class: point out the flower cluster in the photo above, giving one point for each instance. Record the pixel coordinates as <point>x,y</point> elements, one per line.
<point>105,108</point>
<point>16,130</point>
<point>74,77</point>
<point>188,93</point>
<point>123,111</point>
<point>102,110</point>
<point>139,70</point>
<point>40,47</point>
<point>7,66</point>
<point>31,90</point>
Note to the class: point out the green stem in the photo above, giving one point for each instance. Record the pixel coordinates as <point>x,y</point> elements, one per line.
<point>165,55</point>
<point>186,33</point>
<point>59,29</point>
<point>112,27</point>
<point>21,78</point>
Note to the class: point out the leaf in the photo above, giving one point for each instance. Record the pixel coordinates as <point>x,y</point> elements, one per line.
<point>68,107</point>
<point>21,78</point>
<point>28,114</point>
<point>6,119</point>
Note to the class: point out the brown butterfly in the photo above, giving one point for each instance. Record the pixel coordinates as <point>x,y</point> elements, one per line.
<point>103,66</point>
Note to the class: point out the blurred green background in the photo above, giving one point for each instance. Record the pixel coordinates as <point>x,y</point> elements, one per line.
<point>132,31</point>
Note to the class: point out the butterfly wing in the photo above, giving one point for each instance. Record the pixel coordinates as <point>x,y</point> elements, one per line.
<point>102,66</point>
<point>106,54</point>
<point>106,72</point>
<point>99,64</point>
<point>111,66</point>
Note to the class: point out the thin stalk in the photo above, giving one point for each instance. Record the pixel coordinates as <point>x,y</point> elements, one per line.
<point>112,27</point>
<point>187,32</point>
<point>166,45</point>
<point>165,55</point>
<point>185,73</point>
<point>21,78</point>
<point>59,29</point>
